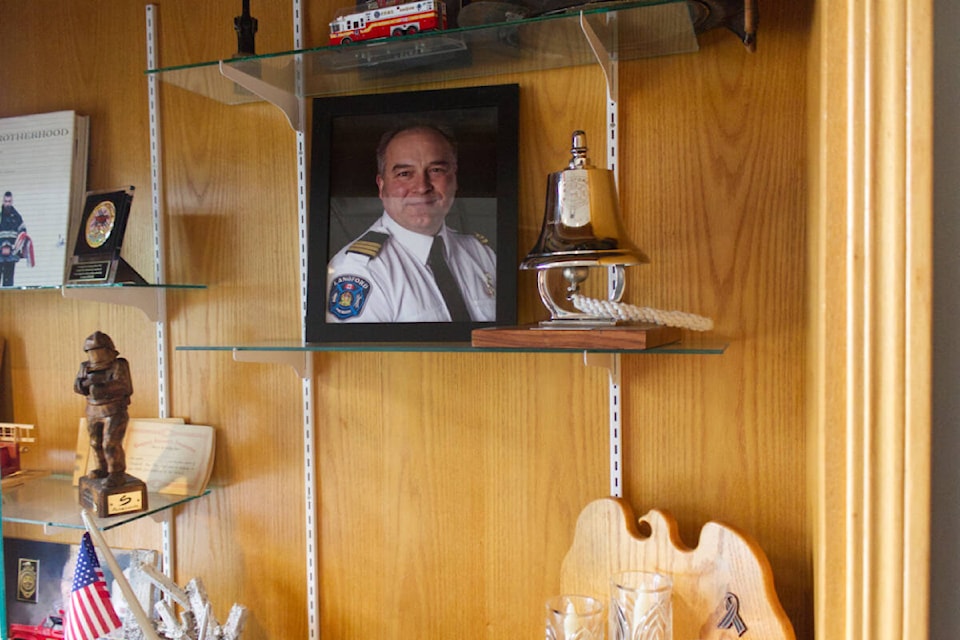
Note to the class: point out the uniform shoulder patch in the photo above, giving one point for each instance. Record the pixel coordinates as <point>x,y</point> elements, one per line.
<point>369,244</point>
<point>482,238</point>
<point>348,294</point>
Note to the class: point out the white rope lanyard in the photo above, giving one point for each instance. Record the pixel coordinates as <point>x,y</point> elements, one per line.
<point>623,311</point>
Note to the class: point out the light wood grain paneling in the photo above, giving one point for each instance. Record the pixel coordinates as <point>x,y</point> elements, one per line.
<point>448,484</point>
<point>716,157</point>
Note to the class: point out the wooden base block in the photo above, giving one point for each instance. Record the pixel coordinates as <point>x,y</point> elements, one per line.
<point>534,336</point>
<point>103,501</point>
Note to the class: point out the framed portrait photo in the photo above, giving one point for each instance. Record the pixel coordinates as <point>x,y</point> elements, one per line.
<point>413,215</point>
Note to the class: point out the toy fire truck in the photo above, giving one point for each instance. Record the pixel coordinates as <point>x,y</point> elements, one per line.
<point>50,629</point>
<point>381,19</point>
<point>12,436</point>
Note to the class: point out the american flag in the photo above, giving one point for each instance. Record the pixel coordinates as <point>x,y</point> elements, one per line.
<point>91,614</point>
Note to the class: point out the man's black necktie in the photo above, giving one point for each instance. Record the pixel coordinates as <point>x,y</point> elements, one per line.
<point>448,286</point>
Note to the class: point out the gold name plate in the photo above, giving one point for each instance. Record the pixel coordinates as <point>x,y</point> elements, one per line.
<point>129,501</point>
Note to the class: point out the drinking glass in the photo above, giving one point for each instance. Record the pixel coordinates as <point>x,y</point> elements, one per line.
<point>573,617</point>
<point>640,607</point>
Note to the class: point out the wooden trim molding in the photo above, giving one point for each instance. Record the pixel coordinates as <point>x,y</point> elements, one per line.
<point>870,270</point>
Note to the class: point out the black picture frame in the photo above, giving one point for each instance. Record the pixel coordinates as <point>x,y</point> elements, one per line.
<point>344,203</point>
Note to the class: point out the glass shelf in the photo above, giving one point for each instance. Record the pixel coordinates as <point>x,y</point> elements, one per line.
<point>297,355</point>
<point>53,501</point>
<point>104,285</point>
<point>131,286</point>
<point>149,298</point>
<point>692,346</point>
<point>38,287</point>
<point>625,30</point>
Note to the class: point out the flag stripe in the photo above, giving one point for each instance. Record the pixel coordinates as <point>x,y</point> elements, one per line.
<point>90,614</point>
<point>94,612</point>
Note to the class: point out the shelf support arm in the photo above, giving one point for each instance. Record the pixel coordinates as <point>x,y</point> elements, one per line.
<point>607,62</point>
<point>301,361</point>
<point>287,102</point>
<point>150,300</point>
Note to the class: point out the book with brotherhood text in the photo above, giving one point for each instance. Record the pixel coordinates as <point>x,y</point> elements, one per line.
<point>169,455</point>
<point>43,168</point>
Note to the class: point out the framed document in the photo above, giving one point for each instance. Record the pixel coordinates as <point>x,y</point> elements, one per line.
<point>96,251</point>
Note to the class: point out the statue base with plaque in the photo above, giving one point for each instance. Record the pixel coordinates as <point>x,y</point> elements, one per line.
<point>104,501</point>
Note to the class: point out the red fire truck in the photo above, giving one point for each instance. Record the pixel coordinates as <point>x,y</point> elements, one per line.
<point>11,437</point>
<point>379,19</point>
<point>49,629</point>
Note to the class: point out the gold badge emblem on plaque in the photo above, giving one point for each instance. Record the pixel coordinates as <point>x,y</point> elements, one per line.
<point>27,573</point>
<point>99,230</point>
<point>100,224</point>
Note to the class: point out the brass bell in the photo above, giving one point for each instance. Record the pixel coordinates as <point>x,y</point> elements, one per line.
<point>581,229</point>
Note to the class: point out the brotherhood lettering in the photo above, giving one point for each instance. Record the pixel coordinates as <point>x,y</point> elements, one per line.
<point>34,135</point>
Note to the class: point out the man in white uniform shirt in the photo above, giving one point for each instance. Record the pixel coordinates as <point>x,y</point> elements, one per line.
<point>409,266</point>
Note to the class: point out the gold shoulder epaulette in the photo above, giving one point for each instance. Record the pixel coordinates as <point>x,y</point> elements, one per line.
<point>369,244</point>
<point>482,238</point>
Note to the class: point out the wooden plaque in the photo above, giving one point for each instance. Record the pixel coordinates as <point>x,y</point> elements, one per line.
<point>533,336</point>
<point>722,589</point>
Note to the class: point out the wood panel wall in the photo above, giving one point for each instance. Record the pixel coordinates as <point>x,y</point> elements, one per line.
<point>448,484</point>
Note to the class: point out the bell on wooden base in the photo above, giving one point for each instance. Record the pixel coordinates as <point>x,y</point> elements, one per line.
<point>581,231</point>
